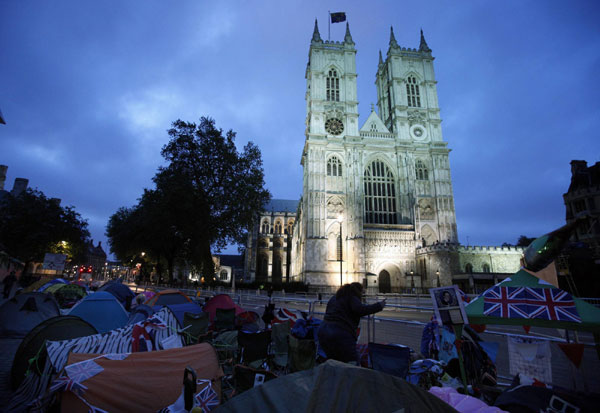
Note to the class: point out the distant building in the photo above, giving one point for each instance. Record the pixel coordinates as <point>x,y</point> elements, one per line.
<point>583,197</point>
<point>95,256</point>
<point>268,247</point>
<point>229,266</point>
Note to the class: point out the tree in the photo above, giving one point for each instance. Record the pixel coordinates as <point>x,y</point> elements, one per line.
<point>221,190</point>
<point>32,224</point>
<point>204,198</point>
<point>524,241</point>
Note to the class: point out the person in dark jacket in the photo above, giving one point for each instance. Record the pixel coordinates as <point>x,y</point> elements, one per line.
<point>337,334</point>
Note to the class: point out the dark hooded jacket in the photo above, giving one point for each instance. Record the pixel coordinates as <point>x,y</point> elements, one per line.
<point>346,312</point>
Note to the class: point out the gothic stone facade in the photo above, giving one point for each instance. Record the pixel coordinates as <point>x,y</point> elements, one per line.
<point>388,180</point>
<point>378,194</point>
<point>268,248</point>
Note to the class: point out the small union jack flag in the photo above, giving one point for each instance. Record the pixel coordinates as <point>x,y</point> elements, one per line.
<point>64,383</point>
<point>506,302</point>
<point>552,304</point>
<point>207,398</point>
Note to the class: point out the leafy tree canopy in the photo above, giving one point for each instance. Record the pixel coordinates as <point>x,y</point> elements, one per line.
<point>204,198</point>
<point>524,241</point>
<point>32,224</point>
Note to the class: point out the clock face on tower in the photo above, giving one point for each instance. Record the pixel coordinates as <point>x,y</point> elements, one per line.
<point>334,126</point>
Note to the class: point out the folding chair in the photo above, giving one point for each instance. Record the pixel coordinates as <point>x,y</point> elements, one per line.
<point>253,348</point>
<point>195,327</point>
<point>224,319</point>
<point>394,360</point>
<point>246,378</point>
<point>302,354</point>
<point>280,333</point>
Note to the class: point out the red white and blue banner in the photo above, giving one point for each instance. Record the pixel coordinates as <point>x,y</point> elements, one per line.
<point>530,303</point>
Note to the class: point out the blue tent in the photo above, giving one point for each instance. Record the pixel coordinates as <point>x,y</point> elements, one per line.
<point>180,309</point>
<point>139,313</point>
<point>120,291</point>
<point>102,310</point>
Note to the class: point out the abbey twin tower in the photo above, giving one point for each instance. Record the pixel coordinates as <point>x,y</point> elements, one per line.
<point>376,197</point>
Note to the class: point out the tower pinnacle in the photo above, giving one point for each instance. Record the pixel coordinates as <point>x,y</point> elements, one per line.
<point>393,42</point>
<point>423,45</point>
<point>380,58</point>
<point>348,37</point>
<point>316,35</point>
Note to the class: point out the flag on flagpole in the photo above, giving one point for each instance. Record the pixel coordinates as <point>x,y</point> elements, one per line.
<point>338,17</point>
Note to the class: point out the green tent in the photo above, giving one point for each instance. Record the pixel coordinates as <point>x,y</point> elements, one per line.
<point>590,315</point>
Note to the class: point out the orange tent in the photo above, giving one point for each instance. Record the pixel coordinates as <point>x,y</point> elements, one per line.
<point>141,382</point>
<point>168,297</point>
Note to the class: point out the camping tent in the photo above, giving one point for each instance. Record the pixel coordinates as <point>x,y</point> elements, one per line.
<point>52,282</point>
<point>20,314</point>
<point>120,291</point>
<point>167,297</point>
<point>221,301</point>
<point>530,301</point>
<point>102,310</point>
<point>157,384</point>
<point>55,328</point>
<point>180,309</point>
<point>66,294</point>
<point>53,357</point>
<point>339,387</point>
<point>140,313</point>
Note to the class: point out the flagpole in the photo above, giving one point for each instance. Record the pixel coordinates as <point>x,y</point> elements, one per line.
<point>329,26</point>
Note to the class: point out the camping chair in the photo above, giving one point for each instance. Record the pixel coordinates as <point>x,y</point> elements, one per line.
<point>302,354</point>
<point>246,378</point>
<point>393,360</point>
<point>279,334</point>
<point>195,327</point>
<point>224,319</point>
<point>253,348</point>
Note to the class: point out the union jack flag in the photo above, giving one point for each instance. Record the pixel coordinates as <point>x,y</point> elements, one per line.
<point>552,304</point>
<point>284,314</point>
<point>207,398</point>
<point>506,302</point>
<point>529,302</point>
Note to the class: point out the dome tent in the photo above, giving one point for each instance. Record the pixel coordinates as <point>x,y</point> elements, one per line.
<point>23,312</point>
<point>102,310</point>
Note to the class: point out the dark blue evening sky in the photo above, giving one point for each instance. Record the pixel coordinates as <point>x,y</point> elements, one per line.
<point>89,88</point>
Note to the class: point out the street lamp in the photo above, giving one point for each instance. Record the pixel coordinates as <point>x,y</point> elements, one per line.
<point>437,273</point>
<point>340,252</point>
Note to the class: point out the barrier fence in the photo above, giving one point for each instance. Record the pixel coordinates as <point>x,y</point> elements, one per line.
<point>408,332</point>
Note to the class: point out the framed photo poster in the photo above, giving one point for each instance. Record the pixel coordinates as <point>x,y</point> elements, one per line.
<point>448,305</point>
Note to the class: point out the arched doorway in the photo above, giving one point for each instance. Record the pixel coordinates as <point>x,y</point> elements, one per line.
<point>385,285</point>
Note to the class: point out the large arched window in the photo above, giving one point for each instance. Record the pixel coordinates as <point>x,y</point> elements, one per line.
<point>469,268</point>
<point>290,228</point>
<point>380,194</point>
<point>278,227</point>
<point>421,171</point>
<point>265,227</point>
<point>412,92</point>
<point>334,166</point>
<point>486,267</point>
<point>333,86</point>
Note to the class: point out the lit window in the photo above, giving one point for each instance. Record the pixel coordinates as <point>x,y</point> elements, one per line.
<point>380,194</point>
<point>333,86</point>
<point>278,227</point>
<point>412,92</point>
<point>334,167</point>
<point>265,227</point>
<point>421,171</point>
